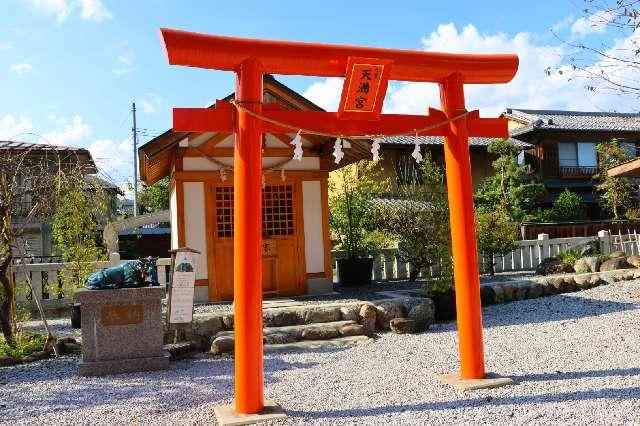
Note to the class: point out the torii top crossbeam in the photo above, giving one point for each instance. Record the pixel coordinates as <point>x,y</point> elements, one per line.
<point>325,60</point>
<point>367,71</point>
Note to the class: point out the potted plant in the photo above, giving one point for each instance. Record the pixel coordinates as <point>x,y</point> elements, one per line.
<point>441,290</point>
<point>351,190</point>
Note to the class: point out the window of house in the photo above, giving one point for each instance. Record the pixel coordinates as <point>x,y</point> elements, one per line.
<point>577,154</point>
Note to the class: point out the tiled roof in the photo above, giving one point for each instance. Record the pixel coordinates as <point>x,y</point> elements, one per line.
<point>573,120</point>
<point>23,146</point>
<point>439,140</point>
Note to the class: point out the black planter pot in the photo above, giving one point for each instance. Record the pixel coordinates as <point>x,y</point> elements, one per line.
<point>355,272</point>
<point>445,304</point>
<point>75,316</point>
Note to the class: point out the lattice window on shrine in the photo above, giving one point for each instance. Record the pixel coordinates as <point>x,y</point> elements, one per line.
<point>224,211</point>
<point>277,211</point>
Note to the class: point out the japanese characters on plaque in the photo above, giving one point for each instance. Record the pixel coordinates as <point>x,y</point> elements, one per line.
<point>364,88</point>
<point>183,279</point>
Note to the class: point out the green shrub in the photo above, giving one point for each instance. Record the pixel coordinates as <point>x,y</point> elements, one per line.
<point>569,256</point>
<point>26,343</point>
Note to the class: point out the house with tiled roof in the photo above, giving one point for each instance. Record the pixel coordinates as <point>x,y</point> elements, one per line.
<point>563,153</point>
<point>397,162</point>
<point>38,239</point>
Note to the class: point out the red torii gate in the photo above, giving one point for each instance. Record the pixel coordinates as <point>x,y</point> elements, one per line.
<point>250,59</point>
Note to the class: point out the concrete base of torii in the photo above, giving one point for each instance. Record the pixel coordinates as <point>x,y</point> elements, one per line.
<point>490,381</point>
<point>227,416</point>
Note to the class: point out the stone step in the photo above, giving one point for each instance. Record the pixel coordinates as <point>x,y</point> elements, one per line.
<point>338,342</point>
<point>293,333</point>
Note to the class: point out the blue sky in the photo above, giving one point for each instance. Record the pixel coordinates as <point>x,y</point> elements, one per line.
<point>69,69</point>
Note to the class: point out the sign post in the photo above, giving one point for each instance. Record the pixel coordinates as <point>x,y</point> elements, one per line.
<point>181,287</point>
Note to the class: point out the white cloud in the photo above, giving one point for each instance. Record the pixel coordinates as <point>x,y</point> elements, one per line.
<point>94,10</point>
<point>22,68</point>
<point>122,71</point>
<point>75,131</point>
<point>90,10</point>
<point>59,8</point>
<point>6,46</point>
<point>115,160</point>
<point>11,127</point>
<point>150,103</point>
<point>126,58</point>
<point>531,87</point>
<point>562,24</point>
<point>595,23</point>
<point>326,93</point>
<point>147,107</point>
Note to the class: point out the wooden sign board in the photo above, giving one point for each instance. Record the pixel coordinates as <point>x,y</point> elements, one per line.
<point>364,89</point>
<point>182,286</point>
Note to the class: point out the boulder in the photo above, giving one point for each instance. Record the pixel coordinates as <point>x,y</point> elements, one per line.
<point>367,318</point>
<point>521,292</point>
<point>487,295</point>
<point>587,264</point>
<point>8,361</point>
<point>582,281</point>
<point>349,313</point>
<point>563,284</point>
<point>596,280</point>
<point>552,265</point>
<point>499,292</point>
<point>388,310</point>
<point>535,291</point>
<point>278,338</point>
<point>627,275</point>
<point>321,314</point>
<point>508,290</point>
<point>281,317</point>
<point>222,344</point>
<point>320,333</point>
<point>352,330</point>
<point>634,261</point>
<point>547,287</point>
<point>36,356</point>
<point>203,327</point>
<point>66,345</point>
<point>403,326</point>
<point>614,263</point>
<point>227,321</point>
<point>617,254</point>
<point>423,314</point>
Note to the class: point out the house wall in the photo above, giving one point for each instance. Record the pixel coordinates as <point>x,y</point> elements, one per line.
<point>195,228</point>
<point>481,162</point>
<point>313,230</point>
<point>173,215</point>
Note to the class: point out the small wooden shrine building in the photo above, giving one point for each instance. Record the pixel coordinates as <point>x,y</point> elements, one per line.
<point>296,247</point>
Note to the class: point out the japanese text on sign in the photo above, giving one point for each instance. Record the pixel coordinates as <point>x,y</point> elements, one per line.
<point>364,88</point>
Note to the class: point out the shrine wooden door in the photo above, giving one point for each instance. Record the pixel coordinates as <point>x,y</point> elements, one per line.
<point>282,239</point>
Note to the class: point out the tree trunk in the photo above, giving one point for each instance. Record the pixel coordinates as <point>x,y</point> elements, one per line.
<point>7,303</point>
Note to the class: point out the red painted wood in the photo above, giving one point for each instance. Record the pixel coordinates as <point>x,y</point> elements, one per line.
<point>315,59</point>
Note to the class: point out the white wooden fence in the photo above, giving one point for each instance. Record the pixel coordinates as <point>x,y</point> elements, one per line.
<point>47,285</point>
<point>527,255</point>
<point>387,266</point>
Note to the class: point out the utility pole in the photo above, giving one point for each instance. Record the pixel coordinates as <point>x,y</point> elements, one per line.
<point>135,161</point>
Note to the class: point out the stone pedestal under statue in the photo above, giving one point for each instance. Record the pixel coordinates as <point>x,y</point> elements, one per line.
<point>121,331</point>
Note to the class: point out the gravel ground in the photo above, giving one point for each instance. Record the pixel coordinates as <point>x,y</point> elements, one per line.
<point>575,358</point>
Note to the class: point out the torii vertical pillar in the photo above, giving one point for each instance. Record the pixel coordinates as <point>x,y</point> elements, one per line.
<point>463,232</point>
<point>247,228</point>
